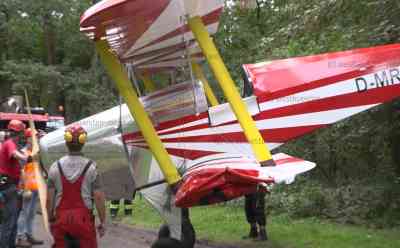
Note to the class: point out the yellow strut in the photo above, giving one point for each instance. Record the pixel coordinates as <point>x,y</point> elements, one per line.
<point>148,83</point>
<point>117,73</point>
<point>220,71</point>
<point>209,92</point>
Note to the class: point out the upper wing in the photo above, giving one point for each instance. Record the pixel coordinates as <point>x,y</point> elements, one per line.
<point>150,34</point>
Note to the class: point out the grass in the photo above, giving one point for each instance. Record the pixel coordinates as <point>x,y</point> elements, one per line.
<point>226,224</point>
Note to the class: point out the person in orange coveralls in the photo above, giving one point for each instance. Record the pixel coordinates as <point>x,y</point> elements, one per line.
<point>73,183</point>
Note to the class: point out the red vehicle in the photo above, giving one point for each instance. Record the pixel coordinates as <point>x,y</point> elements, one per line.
<point>43,121</point>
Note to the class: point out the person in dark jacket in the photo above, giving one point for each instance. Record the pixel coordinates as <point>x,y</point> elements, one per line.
<point>255,214</point>
<point>10,173</point>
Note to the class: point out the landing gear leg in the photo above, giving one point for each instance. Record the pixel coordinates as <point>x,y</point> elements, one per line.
<point>188,234</point>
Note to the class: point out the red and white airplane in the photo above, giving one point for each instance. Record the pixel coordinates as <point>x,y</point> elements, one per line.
<point>214,156</point>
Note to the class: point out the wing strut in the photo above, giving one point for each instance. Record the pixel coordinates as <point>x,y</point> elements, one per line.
<point>209,92</point>
<point>148,83</point>
<point>222,75</point>
<point>121,80</point>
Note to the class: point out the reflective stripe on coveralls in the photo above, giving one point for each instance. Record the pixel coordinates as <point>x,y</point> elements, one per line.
<point>114,205</point>
<point>128,204</point>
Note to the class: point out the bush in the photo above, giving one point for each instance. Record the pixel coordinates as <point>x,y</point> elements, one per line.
<point>360,204</point>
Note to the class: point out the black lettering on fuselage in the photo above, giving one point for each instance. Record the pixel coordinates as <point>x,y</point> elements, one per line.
<point>361,84</point>
<point>394,74</point>
<point>379,79</point>
<point>381,82</point>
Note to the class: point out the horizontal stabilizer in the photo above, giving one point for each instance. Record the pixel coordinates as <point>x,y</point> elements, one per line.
<point>286,169</point>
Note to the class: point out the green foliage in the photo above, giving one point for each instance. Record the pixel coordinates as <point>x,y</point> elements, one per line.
<point>32,76</point>
<point>358,203</point>
<point>47,54</point>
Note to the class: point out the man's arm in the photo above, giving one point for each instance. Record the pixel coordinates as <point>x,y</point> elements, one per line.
<point>13,152</point>
<point>99,201</point>
<point>20,155</point>
<point>51,193</point>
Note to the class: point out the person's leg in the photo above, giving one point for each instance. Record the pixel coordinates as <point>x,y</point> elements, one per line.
<point>15,227</point>
<point>21,230</point>
<point>249,207</point>
<point>59,235</point>
<point>22,240</point>
<point>128,206</point>
<point>71,242</point>
<point>84,230</point>
<point>8,225</point>
<point>30,217</point>
<point>114,207</point>
<point>89,243</point>
<point>30,212</point>
<point>260,215</point>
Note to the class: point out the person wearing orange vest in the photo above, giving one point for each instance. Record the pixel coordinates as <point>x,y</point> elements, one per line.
<point>30,198</point>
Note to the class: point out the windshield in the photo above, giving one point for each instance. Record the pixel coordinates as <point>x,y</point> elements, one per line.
<point>55,124</point>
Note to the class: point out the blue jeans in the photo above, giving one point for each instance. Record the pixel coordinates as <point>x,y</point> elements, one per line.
<point>9,217</point>
<point>27,215</point>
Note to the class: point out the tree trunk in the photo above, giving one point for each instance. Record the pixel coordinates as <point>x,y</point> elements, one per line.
<point>48,96</point>
<point>5,90</point>
<point>4,52</point>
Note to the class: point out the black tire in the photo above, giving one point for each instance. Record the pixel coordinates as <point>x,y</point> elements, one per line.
<point>188,234</point>
<point>167,243</point>
<point>164,232</point>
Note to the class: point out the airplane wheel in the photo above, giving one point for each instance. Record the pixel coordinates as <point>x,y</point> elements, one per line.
<point>167,243</point>
<point>164,232</point>
<point>188,234</point>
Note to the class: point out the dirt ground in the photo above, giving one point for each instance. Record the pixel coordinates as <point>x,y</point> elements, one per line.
<point>120,236</point>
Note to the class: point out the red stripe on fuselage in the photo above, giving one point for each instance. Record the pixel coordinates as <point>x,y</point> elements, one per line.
<point>276,135</point>
<point>184,153</point>
<point>368,97</point>
<point>319,83</point>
